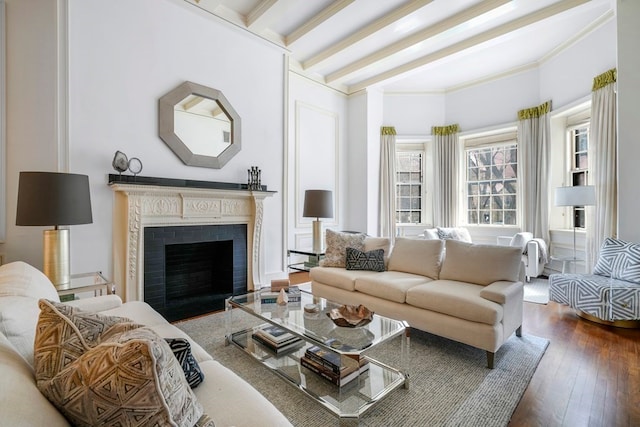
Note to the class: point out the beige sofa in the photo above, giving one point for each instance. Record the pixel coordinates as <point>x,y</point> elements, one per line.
<point>461,291</point>
<point>225,397</point>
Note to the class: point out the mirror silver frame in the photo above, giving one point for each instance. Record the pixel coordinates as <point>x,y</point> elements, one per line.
<point>166,126</point>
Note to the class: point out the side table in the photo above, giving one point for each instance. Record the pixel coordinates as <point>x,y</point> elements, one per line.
<point>313,258</point>
<point>566,260</point>
<point>86,282</point>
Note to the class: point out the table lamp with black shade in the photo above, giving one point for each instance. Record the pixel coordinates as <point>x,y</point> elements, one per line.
<point>54,199</point>
<point>318,204</point>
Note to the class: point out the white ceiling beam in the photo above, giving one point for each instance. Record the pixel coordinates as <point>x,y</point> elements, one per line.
<point>257,18</point>
<point>501,30</point>
<point>318,19</point>
<point>418,37</point>
<point>363,33</point>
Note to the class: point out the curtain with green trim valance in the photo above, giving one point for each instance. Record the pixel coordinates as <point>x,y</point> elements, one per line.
<point>603,159</point>
<point>387,199</point>
<point>533,169</point>
<point>445,130</point>
<point>538,111</point>
<point>446,189</point>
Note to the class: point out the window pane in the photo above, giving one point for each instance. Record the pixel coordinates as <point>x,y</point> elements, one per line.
<point>409,181</point>
<point>581,161</point>
<point>492,185</point>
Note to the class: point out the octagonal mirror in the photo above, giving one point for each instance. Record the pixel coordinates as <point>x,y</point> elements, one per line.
<point>199,125</point>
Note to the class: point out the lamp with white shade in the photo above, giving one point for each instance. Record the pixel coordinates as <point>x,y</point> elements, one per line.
<point>577,195</point>
<point>318,204</point>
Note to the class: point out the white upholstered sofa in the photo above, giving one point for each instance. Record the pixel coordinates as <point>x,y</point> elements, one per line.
<point>465,292</point>
<point>225,397</point>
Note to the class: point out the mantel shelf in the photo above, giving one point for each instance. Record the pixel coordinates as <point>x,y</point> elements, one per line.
<point>181,183</point>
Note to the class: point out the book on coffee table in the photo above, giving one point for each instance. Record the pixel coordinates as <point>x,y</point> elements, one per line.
<point>341,378</point>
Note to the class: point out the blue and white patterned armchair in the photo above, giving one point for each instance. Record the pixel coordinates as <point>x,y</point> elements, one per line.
<point>611,293</point>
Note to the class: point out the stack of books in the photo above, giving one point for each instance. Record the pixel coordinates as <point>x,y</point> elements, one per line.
<point>327,364</point>
<point>276,339</point>
<point>271,297</point>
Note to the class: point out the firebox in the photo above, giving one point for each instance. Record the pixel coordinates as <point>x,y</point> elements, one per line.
<point>190,270</point>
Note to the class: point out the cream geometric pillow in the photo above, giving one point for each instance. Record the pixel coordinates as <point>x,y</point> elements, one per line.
<point>337,243</point>
<point>105,370</point>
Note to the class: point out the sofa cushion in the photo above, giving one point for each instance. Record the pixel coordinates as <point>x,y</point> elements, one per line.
<point>619,260</point>
<point>373,243</point>
<point>389,285</point>
<point>103,370</point>
<point>417,256</point>
<point>338,277</point>
<point>337,244</point>
<point>457,299</point>
<point>28,407</point>
<point>431,233</point>
<point>480,264</point>
<point>361,260</point>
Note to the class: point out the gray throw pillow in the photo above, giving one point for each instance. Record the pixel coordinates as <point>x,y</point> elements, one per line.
<point>360,260</point>
<point>337,244</point>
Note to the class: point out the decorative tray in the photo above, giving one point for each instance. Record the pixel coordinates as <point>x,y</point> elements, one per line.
<point>351,316</point>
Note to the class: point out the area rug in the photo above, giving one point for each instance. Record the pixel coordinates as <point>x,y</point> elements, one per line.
<point>537,291</point>
<point>450,384</point>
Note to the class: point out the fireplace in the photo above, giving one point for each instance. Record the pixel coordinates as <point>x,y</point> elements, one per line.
<point>146,205</point>
<point>190,270</point>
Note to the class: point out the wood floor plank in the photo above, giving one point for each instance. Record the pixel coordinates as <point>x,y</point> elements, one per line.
<point>589,375</point>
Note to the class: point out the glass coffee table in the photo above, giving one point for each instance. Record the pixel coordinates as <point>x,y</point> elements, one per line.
<point>350,346</point>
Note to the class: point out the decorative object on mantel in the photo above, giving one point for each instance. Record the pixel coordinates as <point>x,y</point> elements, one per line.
<point>135,166</point>
<point>351,316</point>
<point>254,175</point>
<point>120,162</point>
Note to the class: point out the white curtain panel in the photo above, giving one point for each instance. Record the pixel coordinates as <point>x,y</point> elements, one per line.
<point>446,193</point>
<point>602,218</point>
<point>533,169</point>
<point>387,211</point>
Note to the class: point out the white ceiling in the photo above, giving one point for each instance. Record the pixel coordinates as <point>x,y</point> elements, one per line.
<point>415,45</point>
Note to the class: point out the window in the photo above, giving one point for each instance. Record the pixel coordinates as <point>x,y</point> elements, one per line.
<point>409,186</point>
<point>579,171</point>
<point>492,184</point>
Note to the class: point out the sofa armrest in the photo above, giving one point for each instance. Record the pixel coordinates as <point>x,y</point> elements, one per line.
<point>101,303</point>
<point>501,291</point>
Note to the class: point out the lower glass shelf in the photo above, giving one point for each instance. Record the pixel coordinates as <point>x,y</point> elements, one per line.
<point>349,401</point>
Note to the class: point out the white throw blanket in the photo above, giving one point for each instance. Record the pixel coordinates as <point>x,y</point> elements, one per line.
<point>542,250</point>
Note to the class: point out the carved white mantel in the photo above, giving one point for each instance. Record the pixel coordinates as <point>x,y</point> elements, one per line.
<point>139,206</point>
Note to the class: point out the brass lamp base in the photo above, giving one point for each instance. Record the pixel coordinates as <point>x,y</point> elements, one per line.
<point>56,264</point>
<point>317,236</point>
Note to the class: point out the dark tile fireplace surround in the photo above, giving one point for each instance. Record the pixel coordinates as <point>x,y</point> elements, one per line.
<point>190,270</point>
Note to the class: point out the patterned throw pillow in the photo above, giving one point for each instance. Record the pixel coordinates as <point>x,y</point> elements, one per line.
<point>359,260</point>
<point>182,351</point>
<point>337,244</point>
<point>105,370</point>
<point>619,260</point>
<point>454,233</point>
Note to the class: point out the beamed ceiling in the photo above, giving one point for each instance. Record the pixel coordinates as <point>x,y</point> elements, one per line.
<point>413,46</point>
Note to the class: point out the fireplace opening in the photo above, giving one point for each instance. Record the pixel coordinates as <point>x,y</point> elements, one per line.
<point>191,270</point>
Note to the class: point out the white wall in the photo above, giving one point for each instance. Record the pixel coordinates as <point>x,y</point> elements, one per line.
<point>628,34</point>
<point>31,100</point>
<point>357,184</point>
<point>569,75</point>
<point>122,57</point>
<point>316,155</point>
<point>414,113</point>
<point>492,103</point>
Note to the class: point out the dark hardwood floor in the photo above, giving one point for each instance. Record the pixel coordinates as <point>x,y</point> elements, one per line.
<point>589,375</point>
